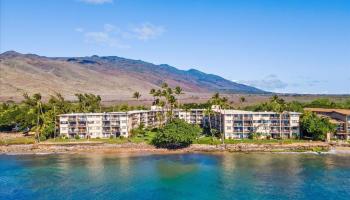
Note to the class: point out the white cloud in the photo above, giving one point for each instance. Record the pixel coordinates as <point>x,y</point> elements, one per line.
<point>112,36</point>
<point>97,1</point>
<point>80,30</point>
<point>104,38</point>
<point>109,27</point>
<point>148,31</point>
<point>270,83</point>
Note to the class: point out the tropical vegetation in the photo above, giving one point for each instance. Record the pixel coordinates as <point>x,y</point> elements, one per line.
<point>176,134</point>
<point>34,114</point>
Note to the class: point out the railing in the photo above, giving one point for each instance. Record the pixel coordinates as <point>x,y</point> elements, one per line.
<point>237,118</point>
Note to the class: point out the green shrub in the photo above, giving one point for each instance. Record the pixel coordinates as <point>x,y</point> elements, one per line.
<point>315,127</point>
<point>254,136</point>
<point>176,134</point>
<point>77,137</point>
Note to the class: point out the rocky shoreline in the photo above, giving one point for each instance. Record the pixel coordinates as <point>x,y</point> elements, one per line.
<point>51,148</point>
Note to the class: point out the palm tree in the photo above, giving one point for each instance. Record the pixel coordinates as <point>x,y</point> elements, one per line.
<point>136,95</point>
<point>164,85</point>
<point>208,112</point>
<point>152,92</point>
<point>242,99</point>
<point>279,106</point>
<point>222,103</point>
<point>178,92</point>
<point>172,101</point>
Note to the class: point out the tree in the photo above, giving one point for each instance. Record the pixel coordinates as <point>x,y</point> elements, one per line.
<point>164,85</point>
<point>222,102</point>
<point>278,106</point>
<point>178,91</point>
<point>315,127</point>
<point>88,103</point>
<point>176,134</point>
<point>242,99</point>
<point>136,95</point>
<point>165,98</point>
<point>209,112</point>
<point>152,92</point>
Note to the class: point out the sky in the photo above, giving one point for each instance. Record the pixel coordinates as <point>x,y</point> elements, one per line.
<point>290,46</point>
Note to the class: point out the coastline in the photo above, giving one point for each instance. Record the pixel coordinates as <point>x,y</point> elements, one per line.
<point>142,148</point>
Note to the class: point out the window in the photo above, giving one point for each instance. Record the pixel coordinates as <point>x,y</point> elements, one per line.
<point>228,127</point>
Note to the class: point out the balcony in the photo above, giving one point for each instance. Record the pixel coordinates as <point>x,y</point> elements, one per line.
<point>274,118</point>
<point>275,124</point>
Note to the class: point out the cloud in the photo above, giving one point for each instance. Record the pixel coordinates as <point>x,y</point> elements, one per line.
<point>97,1</point>
<point>270,82</point>
<point>112,36</point>
<point>109,36</point>
<point>148,31</point>
<point>79,29</point>
<point>104,38</point>
<point>109,27</point>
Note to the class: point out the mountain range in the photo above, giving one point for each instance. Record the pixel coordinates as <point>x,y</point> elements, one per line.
<point>111,77</point>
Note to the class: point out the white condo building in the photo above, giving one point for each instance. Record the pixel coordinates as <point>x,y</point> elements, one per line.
<point>234,124</point>
<point>240,124</point>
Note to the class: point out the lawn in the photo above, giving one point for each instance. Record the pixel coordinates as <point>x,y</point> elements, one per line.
<point>143,138</point>
<point>147,138</point>
<point>17,140</point>
<point>215,141</point>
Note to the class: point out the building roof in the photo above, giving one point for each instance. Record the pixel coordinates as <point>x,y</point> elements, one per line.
<point>329,110</point>
<point>224,111</point>
<point>331,120</point>
<point>252,112</point>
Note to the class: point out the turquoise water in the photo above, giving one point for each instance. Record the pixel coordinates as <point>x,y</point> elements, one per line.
<point>185,176</point>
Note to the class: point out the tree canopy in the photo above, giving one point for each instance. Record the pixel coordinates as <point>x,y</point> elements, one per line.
<point>176,134</point>
<point>315,127</point>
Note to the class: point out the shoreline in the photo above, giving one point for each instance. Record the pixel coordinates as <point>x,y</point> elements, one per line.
<point>142,148</point>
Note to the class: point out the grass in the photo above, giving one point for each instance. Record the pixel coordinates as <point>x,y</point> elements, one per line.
<point>147,138</point>
<point>255,141</point>
<point>215,141</point>
<point>207,140</point>
<point>17,140</point>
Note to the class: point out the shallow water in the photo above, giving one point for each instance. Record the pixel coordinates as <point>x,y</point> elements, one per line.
<point>181,176</point>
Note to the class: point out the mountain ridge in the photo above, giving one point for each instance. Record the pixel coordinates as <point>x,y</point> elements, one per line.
<point>104,75</point>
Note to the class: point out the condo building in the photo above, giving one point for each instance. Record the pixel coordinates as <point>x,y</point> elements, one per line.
<point>192,116</point>
<point>236,124</point>
<point>339,117</point>
<point>105,125</point>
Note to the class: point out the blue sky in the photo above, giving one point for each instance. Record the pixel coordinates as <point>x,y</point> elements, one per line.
<point>300,46</point>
